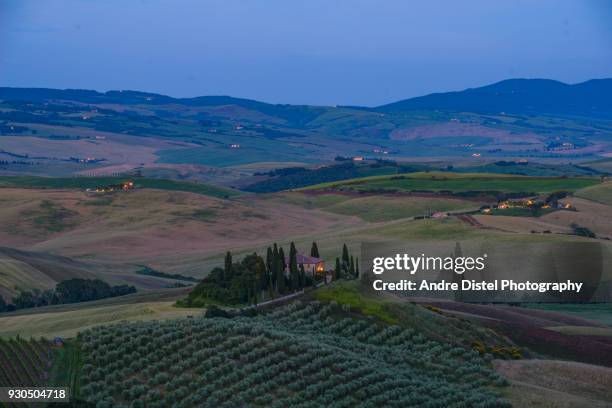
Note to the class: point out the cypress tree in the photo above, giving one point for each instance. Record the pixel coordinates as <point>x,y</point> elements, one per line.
<point>356,267</point>
<point>294,279</point>
<point>269,259</point>
<point>261,279</point>
<point>314,251</point>
<point>280,277</point>
<point>274,267</point>
<point>269,274</point>
<point>337,269</point>
<point>302,276</point>
<point>345,257</point>
<point>281,255</point>
<point>227,271</point>
<point>352,267</point>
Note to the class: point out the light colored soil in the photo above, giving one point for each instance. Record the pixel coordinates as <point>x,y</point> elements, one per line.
<point>453,129</point>
<point>114,147</point>
<point>519,224</point>
<point>157,228</point>
<point>601,193</point>
<point>562,384</point>
<point>113,152</point>
<point>595,216</point>
<point>583,330</point>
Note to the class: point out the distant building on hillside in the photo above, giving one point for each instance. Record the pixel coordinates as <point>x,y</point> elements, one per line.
<point>125,186</point>
<point>311,264</point>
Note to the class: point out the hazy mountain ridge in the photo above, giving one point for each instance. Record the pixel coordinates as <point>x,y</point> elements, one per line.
<point>592,97</point>
<point>535,96</point>
<point>93,131</point>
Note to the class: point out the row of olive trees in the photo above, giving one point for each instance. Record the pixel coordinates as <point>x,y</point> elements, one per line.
<point>301,354</point>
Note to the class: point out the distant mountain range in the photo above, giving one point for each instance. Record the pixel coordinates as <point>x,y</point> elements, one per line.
<point>520,96</point>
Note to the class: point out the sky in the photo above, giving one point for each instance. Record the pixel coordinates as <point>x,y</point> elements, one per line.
<point>323,52</point>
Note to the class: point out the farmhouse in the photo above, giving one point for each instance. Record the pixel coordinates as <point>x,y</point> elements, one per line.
<point>125,186</point>
<point>518,203</point>
<point>311,264</point>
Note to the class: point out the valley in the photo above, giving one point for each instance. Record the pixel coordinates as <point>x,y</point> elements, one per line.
<point>149,192</point>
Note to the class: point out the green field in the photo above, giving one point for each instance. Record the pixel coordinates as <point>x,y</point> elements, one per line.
<point>93,182</point>
<point>225,157</point>
<point>378,208</point>
<point>461,183</point>
<point>386,209</point>
<point>68,322</point>
<point>522,212</point>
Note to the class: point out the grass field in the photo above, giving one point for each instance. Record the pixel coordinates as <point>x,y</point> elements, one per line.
<point>521,212</point>
<point>23,270</point>
<point>600,312</point>
<point>556,384</point>
<point>170,231</point>
<point>583,331</point>
<point>68,323</point>
<point>601,193</point>
<point>83,183</point>
<point>378,208</point>
<point>460,183</point>
<point>589,214</point>
<point>603,165</point>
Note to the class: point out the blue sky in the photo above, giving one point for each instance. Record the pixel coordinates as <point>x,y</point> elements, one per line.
<point>316,52</point>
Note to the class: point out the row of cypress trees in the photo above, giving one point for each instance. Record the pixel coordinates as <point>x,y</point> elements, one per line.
<point>277,283</point>
<point>254,279</point>
<point>347,267</point>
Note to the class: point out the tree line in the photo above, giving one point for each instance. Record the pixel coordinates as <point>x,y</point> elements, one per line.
<point>256,279</point>
<point>68,291</point>
<point>347,266</point>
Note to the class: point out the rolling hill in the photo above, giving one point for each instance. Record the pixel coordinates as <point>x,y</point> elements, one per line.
<point>458,184</point>
<point>520,96</point>
<point>533,96</point>
<point>212,138</point>
<point>34,270</point>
